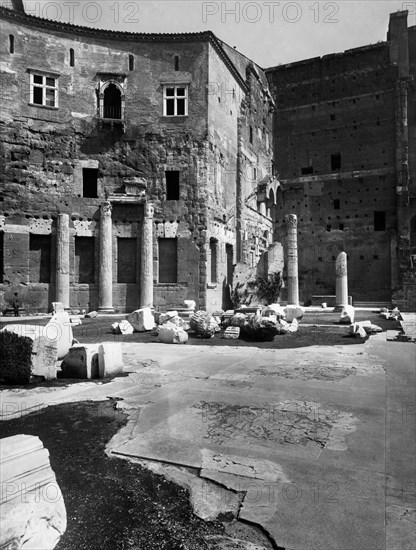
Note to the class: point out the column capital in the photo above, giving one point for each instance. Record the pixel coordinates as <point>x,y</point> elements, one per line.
<point>292,220</point>
<point>149,210</point>
<point>106,209</point>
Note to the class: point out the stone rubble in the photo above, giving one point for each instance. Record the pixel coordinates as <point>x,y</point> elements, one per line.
<point>347,315</point>
<point>32,510</point>
<point>142,320</point>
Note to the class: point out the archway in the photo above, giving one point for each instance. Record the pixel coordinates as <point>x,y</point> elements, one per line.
<point>112,102</point>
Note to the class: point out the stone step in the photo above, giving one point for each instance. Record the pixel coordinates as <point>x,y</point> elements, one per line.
<point>373,305</point>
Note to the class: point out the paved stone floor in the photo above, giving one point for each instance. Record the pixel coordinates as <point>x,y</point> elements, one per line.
<point>316,445</point>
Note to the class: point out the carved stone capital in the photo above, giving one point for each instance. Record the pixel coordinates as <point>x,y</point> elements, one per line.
<point>106,209</point>
<point>149,210</point>
<point>292,220</point>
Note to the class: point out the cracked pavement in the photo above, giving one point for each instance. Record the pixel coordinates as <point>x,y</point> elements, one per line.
<point>315,445</point>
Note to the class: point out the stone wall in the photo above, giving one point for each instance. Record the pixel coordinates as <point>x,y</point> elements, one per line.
<point>340,163</point>
<point>49,150</point>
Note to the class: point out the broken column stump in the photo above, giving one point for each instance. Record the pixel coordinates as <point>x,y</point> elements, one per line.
<point>32,509</point>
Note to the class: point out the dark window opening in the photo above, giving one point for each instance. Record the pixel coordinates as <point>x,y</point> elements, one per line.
<point>112,102</point>
<point>89,182</point>
<point>251,135</point>
<point>379,221</point>
<point>84,260</point>
<point>337,204</point>
<point>332,117</point>
<point>37,95</point>
<point>176,62</point>
<point>413,235</point>
<point>306,170</point>
<point>213,247</point>
<point>39,258</point>
<point>230,265</point>
<point>172,185</point>
<point>341,227</point>
<point>71,57</point>
<point>375,257</point>
<point>336,161</point>
<point>126,260</point>
<point>328,227</point>
<point>131,62</point>
<point>11,43</point>
<point>168,261</point>
<point>1,256</point>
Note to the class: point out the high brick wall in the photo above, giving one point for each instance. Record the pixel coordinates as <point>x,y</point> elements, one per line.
<point>346,104</point>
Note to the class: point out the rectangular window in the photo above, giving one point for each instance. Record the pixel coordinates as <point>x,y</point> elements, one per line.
<point>43,90</point>
<point>126,260</point>
<point>230,263</point>
<point>1,256</point>
<point>39,258</point>
<point>213,246</point>
<point>84,260</point>
<point>175,100</point>
<point>379,221</point>
<point>337,204</point>
<point>89,182</point>
<point>168,261</point>
<point>172,185</point>
<point>306,170</point>
<point>336,161</point>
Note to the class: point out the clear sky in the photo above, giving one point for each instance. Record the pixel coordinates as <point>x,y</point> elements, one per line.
<point>269,32</point>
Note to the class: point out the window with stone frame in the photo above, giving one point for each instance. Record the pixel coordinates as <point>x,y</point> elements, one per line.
<point>43,89</point>
<point>175,100</point>
<point>213,252</point>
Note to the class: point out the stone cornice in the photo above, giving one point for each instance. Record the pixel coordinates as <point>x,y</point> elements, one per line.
<point>70,29</point>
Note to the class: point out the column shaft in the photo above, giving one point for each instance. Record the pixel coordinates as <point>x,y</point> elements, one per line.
<point>106,260</point>
<point>292,260</point>
<point>341,282</point>
<point>146,274</point>
<point>62,260</point>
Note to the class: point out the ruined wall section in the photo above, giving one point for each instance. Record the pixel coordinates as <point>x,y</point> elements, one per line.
<point>335,154</point>
<point>45,149</point>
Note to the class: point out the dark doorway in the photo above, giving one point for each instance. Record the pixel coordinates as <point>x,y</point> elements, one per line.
<point>89,182</point>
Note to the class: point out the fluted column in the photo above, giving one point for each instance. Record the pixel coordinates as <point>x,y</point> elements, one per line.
<point>341,282</point>
<point>146,274</point>
<point>292,260</point>
<point>62,260</point>
<point>106,260</point>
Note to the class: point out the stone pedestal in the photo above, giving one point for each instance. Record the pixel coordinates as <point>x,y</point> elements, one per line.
<point>62,260</point>
<point>146,274</point>
<point>106,260</point>
<point>341,283</point>
<point>292,260</point>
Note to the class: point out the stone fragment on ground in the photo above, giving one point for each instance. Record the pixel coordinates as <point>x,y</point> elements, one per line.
<point>110,359</point>
<point>293,312</point>
<point>142,320</point>
<point>124,327</point>
<point>44,357</point>
<point>232,333</point>
<point>203,324</point>
<point>91,315</point>
<point>81,362</point>
<point>32,510</point>
<point>172,334</point>
<point>347,315</point>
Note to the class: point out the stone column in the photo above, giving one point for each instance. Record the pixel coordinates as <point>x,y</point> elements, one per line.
<point>146,274</point>
<point>106,260</point>
<point>292,260</point>
<point>341,285</point>
<point>62,260</point>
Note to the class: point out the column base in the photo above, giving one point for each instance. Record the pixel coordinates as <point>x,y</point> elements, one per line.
<point>339,308</point>
<point>106,310</point>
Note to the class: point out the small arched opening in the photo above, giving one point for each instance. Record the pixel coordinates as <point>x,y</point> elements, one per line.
<point>112,102</point>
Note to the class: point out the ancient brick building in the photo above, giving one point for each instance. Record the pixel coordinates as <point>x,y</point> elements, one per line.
<point>344,146</point>
<point>136,168</point>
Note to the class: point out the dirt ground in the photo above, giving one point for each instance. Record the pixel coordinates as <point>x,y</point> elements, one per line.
<point>112,504</point>
<point>325,331</point>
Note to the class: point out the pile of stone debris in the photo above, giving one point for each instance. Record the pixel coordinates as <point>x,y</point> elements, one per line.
<point>172,327</point>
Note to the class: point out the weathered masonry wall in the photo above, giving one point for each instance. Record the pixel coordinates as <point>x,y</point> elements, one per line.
<point>337,149</point>
<point>69,146</point>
